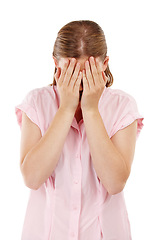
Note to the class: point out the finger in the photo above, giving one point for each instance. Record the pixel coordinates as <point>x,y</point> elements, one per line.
<point>99,71</point>
<point>75,75</point>
<point>77,82</point>
<point>69,72</point>
<point>94,70</point>
<point>86,86</point>
<point>63,71</point>
<point>88,75</point>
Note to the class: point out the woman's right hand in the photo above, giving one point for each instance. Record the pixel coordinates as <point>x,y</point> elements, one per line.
<point>68,81</point>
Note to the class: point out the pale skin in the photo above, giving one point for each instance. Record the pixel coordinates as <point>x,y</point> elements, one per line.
<point>111,158</point>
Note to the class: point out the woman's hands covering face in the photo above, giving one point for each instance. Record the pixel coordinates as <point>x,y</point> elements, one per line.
<point>94,81</point>
<point>69,78</point>
<point>68,82</point>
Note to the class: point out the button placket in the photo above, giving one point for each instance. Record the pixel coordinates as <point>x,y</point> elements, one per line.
<point>75,205</point>
<point>76,194</point>
<point>77,167</point>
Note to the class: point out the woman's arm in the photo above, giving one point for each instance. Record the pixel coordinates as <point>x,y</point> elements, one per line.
<point>112,158</point>
<point>39,155</point>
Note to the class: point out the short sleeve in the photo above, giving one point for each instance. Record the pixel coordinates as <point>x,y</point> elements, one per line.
<point>127,114</point>
<point>27,106</point>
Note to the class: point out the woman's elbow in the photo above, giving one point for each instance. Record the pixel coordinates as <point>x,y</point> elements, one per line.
<point>116,189</point>
<point>31,185</point>
<point>29,180</point>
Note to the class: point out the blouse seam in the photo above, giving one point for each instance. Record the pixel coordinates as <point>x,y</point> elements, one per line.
<point>121,93</point>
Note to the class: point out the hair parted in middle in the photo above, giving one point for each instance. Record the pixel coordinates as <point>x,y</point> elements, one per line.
<point>81,38</point>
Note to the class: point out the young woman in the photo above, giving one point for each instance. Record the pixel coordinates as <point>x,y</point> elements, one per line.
<point>78,140</point>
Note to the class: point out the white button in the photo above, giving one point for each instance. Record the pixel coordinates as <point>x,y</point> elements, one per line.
<point>76,181</point>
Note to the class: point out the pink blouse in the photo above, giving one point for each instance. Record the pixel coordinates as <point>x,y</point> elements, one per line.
<point>72,204</point>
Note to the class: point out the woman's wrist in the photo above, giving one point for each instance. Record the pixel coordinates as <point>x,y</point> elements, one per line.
<point>68,111</point>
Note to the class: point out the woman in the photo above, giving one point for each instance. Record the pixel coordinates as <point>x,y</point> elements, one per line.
<point>78,140</point>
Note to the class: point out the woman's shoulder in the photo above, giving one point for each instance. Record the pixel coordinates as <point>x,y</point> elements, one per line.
<point>118,93</point>
<point>41,92</point>
<point>115,99</point>
<point>43,89</point>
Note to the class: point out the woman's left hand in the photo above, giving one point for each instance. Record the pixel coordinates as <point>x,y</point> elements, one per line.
<point>94,81</point>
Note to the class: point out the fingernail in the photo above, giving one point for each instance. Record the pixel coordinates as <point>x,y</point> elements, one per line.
<point>66,61</point>
<point>87,63</point>
<point>92,58</point>
<point>73,60</point>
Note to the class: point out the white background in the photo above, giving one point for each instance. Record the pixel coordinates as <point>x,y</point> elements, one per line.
<point>28,32</point>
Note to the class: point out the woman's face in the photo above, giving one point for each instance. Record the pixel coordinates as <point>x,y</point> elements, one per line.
<point>82,61</point>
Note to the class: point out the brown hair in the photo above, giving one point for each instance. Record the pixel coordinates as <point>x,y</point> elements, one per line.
<point>81,38</point>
